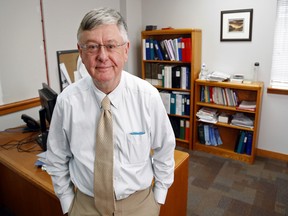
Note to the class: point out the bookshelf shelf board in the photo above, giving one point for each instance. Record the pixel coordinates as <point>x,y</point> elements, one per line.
<point>179,116</point>
<point>229,126</point>
<point>184,141</point>
<point>222,107</point>
<point>173,89</point>
<point>174,32</point>
<point>254,86</point>
<point>234,126</point>
<point>223,151</point>
<point>165,61</point>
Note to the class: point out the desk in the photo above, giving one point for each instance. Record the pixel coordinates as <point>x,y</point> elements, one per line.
<point>27,190</point>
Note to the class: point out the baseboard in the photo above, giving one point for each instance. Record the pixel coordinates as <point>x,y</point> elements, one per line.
<point>270,154</point>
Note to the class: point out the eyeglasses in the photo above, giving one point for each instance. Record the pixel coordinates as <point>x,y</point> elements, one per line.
<point>95,48</point>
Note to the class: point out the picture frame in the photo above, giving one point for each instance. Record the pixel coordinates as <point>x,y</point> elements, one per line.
<point>69,59</point>
<point>236,25</point>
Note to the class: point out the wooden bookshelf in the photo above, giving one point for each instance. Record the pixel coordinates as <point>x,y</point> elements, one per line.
<point>228,132</point>
<point>193,63</point>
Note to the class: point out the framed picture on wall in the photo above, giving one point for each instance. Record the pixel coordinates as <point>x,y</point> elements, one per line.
<point>236,25</point>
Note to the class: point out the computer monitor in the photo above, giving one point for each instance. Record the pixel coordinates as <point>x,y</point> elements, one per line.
<point>48,100</point>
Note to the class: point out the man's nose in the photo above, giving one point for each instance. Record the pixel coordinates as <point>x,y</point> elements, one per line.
<point>102,53</point>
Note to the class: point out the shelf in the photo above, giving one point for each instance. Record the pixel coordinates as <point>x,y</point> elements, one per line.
<point>233,126</point>
<point>229,126</point>
<point>152,69</point>
<point>222,107</point>
<point>173,89</point>
<point>165,62</point>
<point>229,134</point>
<point>254,86</point>
<point>179,116</point>
<point>223,151</point>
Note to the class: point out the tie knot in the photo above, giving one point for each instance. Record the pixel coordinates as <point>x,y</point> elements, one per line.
<point>106,103</point>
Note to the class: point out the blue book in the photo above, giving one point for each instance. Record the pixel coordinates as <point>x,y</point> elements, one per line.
<point>212,135</point>
<point>147,47</point>
<point>173,104</point>
<point>201,135</point>
<point>202,93</point>
<point>158,50</point>
<point>206,134</point>
<point>187,105</point>
<point>188,86</point>
<point>240,142</point>
<point>152,51</point>
<point>249,143</point>
<point>180,49</point>
<point>217,136</point>
<point>243,147</point>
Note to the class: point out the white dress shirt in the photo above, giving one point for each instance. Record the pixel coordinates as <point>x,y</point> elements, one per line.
<point>140,123</point>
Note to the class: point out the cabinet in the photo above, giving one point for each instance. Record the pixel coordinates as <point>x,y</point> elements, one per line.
<point>229,133</point>
<point>174,76</point>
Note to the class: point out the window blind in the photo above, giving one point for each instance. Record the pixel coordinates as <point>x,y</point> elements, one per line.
<point>279,70</point>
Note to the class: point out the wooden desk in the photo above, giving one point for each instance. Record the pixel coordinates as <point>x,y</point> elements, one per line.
<point>27,190</point>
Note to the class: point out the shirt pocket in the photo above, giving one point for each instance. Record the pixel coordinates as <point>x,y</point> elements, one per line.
<point>137,147</point>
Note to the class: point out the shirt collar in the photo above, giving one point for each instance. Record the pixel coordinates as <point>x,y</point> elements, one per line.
<point>115,96</point>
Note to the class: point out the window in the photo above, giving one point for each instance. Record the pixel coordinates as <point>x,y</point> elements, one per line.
<point>279,71</point>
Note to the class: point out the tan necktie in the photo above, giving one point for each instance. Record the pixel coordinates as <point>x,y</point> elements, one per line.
<point>103,171</point>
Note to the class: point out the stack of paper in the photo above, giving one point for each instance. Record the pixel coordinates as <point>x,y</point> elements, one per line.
<point>242,120</point>
<point>218,76</point>
<point>41,160</point>
<point>247,105</point>
<point>207,114</point>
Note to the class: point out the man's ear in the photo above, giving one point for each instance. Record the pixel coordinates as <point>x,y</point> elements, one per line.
<point>127,51</point>
<point>79,50</point>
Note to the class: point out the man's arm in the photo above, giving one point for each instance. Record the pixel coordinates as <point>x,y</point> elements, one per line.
<point>163,144</point>
<point>58,155</point>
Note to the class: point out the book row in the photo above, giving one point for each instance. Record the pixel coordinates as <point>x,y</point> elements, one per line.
<point>243,143</point>
<point>176,49</point>
<point>177,103</point>
<point>209,135</point>
<point>181,127</point>
<point>218,95</point>
<point>168,76</point>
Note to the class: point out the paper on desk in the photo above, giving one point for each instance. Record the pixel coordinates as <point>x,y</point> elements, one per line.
<point>218,76</point>
<point>41,160</point>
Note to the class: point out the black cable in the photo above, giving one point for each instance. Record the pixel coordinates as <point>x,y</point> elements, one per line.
<point>21,144</point>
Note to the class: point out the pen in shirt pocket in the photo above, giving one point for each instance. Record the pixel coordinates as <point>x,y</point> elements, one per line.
<point>137,133</point>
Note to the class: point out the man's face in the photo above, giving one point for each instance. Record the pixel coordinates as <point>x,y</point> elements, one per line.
<point>104,63</point>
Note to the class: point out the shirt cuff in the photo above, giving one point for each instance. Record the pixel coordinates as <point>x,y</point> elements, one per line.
<point>160,195</point>
<point>66,202</point>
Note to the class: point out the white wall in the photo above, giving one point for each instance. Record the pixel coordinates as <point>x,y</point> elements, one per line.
<point>134,21</point>
<point>231,57</point>
<point>22,62</point>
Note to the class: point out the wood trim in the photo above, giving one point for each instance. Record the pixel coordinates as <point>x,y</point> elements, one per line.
<point>274,90</point>
<point>270,154</point>
<point>18,106</point>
